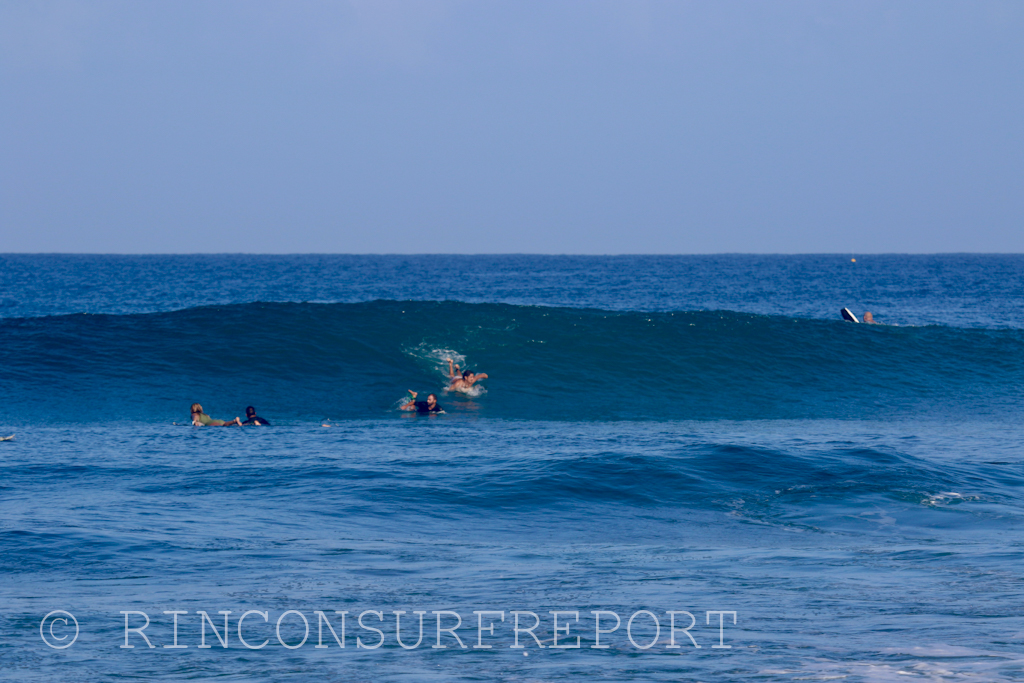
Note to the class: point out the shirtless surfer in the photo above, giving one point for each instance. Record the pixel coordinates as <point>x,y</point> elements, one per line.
<point>462,381</point>
<point>201,419</point>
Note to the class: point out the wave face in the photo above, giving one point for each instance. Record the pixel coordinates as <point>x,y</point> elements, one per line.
<point>311,361</point>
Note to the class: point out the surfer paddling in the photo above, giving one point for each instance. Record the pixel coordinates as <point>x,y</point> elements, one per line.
<point>423,407</point>
<point>201,419</point>
<point>462,380</point>
<point>252,419</point>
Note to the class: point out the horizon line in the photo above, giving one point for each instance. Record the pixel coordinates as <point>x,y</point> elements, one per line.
<point>516,253</point>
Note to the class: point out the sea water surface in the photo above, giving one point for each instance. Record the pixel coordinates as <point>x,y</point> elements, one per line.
<point>656,434</point>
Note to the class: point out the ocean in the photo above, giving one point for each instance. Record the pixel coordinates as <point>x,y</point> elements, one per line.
<point>679,468</point>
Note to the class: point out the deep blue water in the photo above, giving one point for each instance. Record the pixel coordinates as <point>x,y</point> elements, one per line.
<point>656,433</point>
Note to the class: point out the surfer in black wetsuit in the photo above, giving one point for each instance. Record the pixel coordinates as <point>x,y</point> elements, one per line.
<point>423,407</point>
<point>251,418</point>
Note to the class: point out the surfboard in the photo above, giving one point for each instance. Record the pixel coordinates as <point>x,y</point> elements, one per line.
<point>7,438</point>
<point>849,316</point>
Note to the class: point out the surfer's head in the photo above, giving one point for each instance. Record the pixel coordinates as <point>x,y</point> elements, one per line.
<point>250,411</point>
<point>431,399</point>
<point>467,374</point>
<point>196,408</point>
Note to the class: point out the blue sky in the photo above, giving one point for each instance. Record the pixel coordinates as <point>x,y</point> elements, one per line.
<point>490,127</point>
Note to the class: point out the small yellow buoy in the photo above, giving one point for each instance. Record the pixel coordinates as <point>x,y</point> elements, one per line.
<point>853,260</point>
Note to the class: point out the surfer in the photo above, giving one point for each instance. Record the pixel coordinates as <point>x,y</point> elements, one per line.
<point>201,419</point>
<point>464,380</point>
<point>251,418</point>
<point>850,317</point>
<point>423,407</point>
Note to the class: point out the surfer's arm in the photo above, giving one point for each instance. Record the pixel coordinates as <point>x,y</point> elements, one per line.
<point>451,369</point>
<point>480,376</point>
<point>411,405</point>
